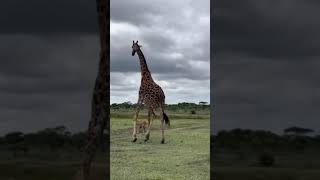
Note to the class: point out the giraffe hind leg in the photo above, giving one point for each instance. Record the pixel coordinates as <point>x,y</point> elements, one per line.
<point>150,120</point>
<point>162,131</point>
<point>162,122</point>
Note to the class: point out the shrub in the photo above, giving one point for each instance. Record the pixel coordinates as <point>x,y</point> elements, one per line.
<point>193,112</point>
<point>266,159</point>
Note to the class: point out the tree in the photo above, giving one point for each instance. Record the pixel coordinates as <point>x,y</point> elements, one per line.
<point>14,139</point>
<point>99,120</point>
<point>266,159</point>
<point>203,103</point>
<point>298,130</point>
<point>78,140</point>
<point>2,141</point>
<point>51,137</point>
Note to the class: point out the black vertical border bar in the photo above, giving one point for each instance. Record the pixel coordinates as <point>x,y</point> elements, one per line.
<point>108,77</point>
<point>212,85</point>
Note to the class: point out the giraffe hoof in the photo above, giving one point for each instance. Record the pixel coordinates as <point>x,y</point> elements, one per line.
<point>134,140</point>
<point>162,141</point>
<point>147,137</point>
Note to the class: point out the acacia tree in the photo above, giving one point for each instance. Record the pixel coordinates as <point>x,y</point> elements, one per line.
<point>14,139</point>
<point>298,130</point>
<point>203,103</point>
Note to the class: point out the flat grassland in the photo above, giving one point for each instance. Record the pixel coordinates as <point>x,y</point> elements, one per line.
<point>260,173</point>
<point>185,154</point>
<point>40,167</point>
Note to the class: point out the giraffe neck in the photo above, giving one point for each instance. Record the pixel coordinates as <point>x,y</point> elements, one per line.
<point>144,67</point>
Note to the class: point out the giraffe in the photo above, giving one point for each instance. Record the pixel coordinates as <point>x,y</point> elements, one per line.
<point>150,94</point>
<point>99,120</point>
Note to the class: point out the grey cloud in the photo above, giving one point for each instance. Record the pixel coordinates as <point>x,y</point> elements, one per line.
<point>265,93</point>
<point>265,64</point>
<point>159,36</point>
<point>176,90</point>
<point>158,62</point>
<point>175,41</point>
<point>46,81</point>
<point>48,17</point>
<point>149,13</point>
<point>49,56</point>
<point>267,28</point>
<point>25,55</point>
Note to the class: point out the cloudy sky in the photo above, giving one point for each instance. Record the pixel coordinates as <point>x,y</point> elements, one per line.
<point>266,64</point>
<point>175,39</point>
<point>48,56</point>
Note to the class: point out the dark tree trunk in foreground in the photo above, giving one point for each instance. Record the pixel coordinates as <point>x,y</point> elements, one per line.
<point>99,122</point>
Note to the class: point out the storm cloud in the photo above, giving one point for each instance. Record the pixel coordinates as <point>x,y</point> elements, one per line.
<point>175,39</point>
<point>49,57</point>
<point>42,17</point>
<point>266,63</point>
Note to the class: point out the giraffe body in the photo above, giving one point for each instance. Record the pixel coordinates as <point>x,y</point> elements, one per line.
<point>150,94</point>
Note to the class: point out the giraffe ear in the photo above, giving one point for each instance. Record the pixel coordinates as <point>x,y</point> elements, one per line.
<point>140,46</point>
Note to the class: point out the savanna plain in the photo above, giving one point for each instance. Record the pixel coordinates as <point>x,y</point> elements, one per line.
<point>185,154</point>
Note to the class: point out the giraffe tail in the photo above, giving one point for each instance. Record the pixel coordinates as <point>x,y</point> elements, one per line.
<point>166,119</point>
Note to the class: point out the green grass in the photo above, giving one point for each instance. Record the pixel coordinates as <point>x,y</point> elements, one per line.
<point>288,166</point>
<point>31,170</point>
<point>256,173</point>
<point>185,155</point>
<point>42,165</point>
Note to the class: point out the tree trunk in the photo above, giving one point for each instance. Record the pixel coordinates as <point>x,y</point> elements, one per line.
<point>99,121</point>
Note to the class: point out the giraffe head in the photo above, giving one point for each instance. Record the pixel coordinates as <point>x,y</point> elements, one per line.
<point>135,47</point>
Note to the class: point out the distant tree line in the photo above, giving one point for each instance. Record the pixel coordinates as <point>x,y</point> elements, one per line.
<point>244,144</point>
<point>293,139</point>
<point>184,106</point>
<point>51,139</point>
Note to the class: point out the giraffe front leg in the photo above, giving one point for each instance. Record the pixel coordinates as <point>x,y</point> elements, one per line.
<point>134,135</point>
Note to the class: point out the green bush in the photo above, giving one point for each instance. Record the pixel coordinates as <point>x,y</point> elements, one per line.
<point>193,112</point>
<point>266,159</point>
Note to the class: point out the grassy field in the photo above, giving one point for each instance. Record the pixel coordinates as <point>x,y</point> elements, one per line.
<point>259,173</point>
<point>185,155</point>
<point>46,165</point>
<point>245,166</point>
<point>31,170</point>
